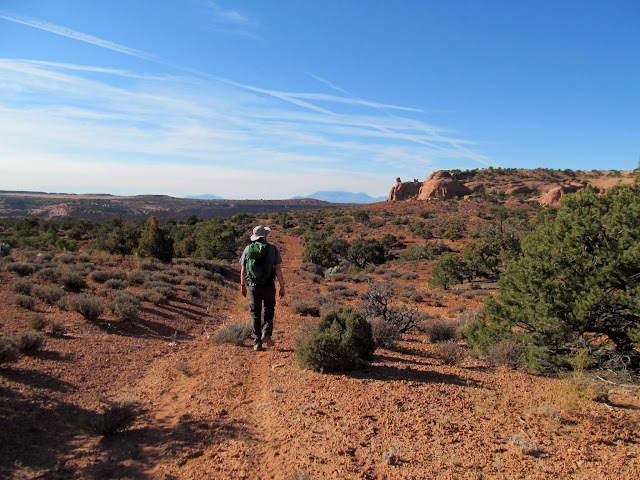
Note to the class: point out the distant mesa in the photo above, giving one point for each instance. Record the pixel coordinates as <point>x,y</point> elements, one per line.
<point>343,197</point>
<point>207,196</point>
<point>542,185</point>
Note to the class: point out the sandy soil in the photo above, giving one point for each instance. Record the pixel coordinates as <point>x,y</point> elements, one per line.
<point>224,412</point>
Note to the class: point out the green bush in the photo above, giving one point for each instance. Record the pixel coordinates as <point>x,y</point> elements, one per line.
<point>341,341</point>
<point>577,283</point>
<point>447,272</point>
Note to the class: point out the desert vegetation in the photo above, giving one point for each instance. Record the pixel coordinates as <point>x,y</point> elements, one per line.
<point>485,335</point>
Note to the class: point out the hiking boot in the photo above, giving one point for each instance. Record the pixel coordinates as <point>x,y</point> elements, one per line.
<point>268,341</point>
<point>258,347</point>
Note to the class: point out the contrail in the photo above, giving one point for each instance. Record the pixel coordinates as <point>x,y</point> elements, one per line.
<point>83,37</point>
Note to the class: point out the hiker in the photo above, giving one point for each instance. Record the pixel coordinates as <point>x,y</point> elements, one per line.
<point>261,265</point>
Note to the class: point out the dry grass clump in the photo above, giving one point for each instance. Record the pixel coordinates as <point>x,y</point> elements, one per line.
<point>524,444</point>
<point>506,353</point>
<point>115,284</point>
<point>118,416</point>
<point>24,301</point>
<point>193,290</point>
<point>441,330</point>
<point>89,306</point>
<point>305,308</point>
<point>22,286</point>
<point>449,352</point>
<point>385,334</point>
<point>234,333</point>
<point>48,295</point>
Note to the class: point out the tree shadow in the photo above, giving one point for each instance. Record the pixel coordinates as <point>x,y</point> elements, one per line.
<point>36,379</point>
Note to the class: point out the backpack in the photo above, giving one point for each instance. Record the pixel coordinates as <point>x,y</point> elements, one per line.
<point>259,269</point>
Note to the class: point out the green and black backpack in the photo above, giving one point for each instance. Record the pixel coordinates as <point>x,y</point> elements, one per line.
<point>259,269</point>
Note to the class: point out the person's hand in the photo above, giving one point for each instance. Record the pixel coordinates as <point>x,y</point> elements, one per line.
<point>281,292</point>
<point>244,290</point>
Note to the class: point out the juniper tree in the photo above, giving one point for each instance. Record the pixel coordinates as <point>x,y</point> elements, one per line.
<point>577,283</point>
<point>154,242</point>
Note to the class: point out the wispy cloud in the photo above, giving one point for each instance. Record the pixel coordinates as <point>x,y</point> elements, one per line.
<point>230,20</point>
<point>201,123</point>
<point>67,32</point>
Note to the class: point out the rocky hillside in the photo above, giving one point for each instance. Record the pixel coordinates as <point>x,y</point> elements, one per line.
<point>545,186</point>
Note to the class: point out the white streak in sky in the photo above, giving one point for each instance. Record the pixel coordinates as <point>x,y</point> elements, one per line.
<point>83,37</point>
<point>327,82</point>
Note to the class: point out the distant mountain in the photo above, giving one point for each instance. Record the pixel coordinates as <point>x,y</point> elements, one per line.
<point>207,196</point>
<point>343,197</point>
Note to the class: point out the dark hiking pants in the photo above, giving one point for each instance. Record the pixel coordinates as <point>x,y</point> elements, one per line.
<point>260,295</point>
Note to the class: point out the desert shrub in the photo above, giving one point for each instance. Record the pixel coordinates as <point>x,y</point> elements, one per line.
<point>118,416</point>
<point>115,284</point>
<point>21,268</point>
<point>50,273</point>
<point>125,306</point>
<point>377,303</point>
<point>48,295</point>
<point>56,328</point>
<point>391,274</point>
<point>89,306</point>
<point>318,270</point>
<point>336,286</point>
<point>22,285</point>
<point>366,250</point>
<point>344,292</point>
<point>212,290</point>
<point>189,282</point>
<point>165,288</point>
<point>193,290</point>
<point>72,281</point>
<point>101,276</point>
<point>507,353</point>
<point>305,308</point>
<point>151,265</point>
<point>36,322</point>
<point>326,252</point>
<point>24,301</point>
<point>441,330</point>
<point>234,333</point>
<point>137,277</point>
<point>385,334</point>
<point>8,350</point>
<point>341,341</point>
<point>449,352</point>
<point>28,341</point>
<point>66,259</point>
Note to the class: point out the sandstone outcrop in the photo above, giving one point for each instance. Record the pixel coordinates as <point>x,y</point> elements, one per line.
<point>554,195</point>
<point>442,185</point>
<point>404,191</point>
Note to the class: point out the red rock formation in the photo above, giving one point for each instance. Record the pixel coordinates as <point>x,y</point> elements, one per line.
<point>442,185</point>
<point>553,196</point>
<point>404,191</point>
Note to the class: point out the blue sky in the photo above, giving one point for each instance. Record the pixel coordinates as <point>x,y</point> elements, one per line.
<point>272,99</point>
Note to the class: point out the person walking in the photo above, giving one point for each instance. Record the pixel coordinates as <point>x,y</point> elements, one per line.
<point>261,266</point>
